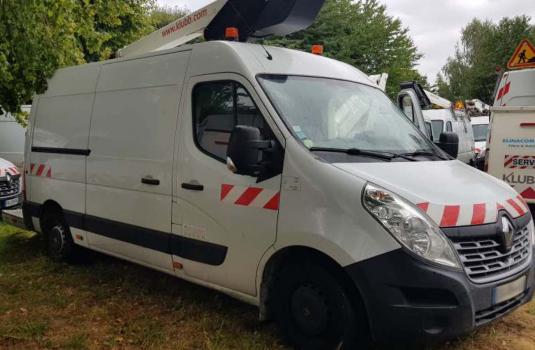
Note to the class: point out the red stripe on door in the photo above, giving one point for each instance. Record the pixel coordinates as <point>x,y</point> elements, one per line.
<point>478,216</point>
<point>273,203</point>
<point>450,215</point>
<point>225,189</point>
<point>517,207</point>
<point>40,169</point>
<point>248,196</point>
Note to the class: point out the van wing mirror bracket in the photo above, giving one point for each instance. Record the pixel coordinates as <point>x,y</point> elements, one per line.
<point>249,154</point>
<point>449,143</point>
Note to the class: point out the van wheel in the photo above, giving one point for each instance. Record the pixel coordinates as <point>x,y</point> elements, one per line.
<point>314,311</point>
<point>60,245</point>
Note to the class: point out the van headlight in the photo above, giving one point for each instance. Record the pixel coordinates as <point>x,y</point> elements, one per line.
<point>409,226</point>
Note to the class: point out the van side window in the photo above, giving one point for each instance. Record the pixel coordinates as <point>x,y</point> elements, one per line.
<point>449,127</point>
<point>217,108</point>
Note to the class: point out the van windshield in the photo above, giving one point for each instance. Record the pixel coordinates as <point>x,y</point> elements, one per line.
<point>329,113</point>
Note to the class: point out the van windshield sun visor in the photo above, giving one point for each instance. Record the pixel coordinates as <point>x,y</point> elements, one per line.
<point>261,18</point>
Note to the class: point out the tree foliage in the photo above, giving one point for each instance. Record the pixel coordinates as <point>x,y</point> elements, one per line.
<point>362,34</point>
<point>39,36</point>
<point>484,45</point>
<point>163,15</point>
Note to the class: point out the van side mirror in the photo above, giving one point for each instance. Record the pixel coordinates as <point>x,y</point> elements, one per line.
<point>244,150</point>
<point>449,143</point>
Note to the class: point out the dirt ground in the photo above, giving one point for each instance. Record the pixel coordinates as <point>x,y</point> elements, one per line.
<point>110,304</point>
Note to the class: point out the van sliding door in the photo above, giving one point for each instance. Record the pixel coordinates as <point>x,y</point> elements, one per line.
<point>129,170</point>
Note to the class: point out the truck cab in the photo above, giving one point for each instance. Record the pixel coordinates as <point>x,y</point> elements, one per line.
<point>434,115</point>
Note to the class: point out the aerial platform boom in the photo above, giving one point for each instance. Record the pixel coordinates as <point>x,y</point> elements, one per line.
<point>252,18</point>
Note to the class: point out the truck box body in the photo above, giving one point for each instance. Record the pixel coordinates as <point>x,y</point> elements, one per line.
<point>512,148</point>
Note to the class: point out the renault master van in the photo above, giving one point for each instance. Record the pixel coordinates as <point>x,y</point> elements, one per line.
<point>10,185</point>
<point>287,180</point>
<point>291,183</point>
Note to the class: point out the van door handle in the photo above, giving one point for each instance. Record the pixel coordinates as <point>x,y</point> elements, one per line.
<point>192,187</point>
<point>150,181</point>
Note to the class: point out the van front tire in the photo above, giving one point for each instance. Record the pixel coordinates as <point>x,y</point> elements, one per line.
<point>314,310</point>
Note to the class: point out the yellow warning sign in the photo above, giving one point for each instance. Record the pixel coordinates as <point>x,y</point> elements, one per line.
<point>524,56</point>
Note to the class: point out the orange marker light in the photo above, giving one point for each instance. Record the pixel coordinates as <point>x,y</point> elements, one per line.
<point>317,49</point>
<point>232,34</point>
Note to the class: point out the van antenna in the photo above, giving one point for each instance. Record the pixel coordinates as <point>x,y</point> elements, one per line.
<point>250,29</point>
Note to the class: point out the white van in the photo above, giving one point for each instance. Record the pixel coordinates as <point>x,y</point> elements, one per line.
<point>12,136</point>
<point>291,183</point>
<point>511,141</point>
<point>10,185</point>
<point>434,115</point>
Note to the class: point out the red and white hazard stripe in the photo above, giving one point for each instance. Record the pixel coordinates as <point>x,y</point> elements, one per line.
<point>510,164</point>
<point>40,170</point>
<point>10,171</point>
<point>250,196</point>
<point>504,90</point>
<point>474,214</point>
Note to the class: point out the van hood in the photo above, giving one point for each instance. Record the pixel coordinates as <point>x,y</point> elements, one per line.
<point>450,192</point>
<point>7,168</point>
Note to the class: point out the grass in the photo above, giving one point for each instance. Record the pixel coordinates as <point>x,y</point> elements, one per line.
<point>110,304</point>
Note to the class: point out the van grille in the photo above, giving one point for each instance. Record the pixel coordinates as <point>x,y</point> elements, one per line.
<point>9,189</point>
<point>484,261</point>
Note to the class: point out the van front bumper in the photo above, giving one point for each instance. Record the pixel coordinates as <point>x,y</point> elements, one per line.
<point>407,299</point>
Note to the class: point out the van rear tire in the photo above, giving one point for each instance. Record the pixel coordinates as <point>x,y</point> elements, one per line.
<point>315,311</point>
<point>59,243</point>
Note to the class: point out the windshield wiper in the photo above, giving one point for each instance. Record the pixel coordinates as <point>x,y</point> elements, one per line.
<point>422,152</point>
<point>365,153</point>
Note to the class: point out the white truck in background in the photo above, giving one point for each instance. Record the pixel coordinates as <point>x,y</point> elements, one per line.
<point>510,154</point>
<point>12,137</point>
<point>435,115</point>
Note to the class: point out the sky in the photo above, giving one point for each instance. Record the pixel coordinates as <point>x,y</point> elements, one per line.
<point>435,25</point>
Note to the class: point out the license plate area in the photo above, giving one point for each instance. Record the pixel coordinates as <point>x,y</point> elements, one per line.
<point>9,202</point>
<point>509,290</point>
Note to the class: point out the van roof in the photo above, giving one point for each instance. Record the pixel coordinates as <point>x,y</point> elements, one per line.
<point>215,57</point>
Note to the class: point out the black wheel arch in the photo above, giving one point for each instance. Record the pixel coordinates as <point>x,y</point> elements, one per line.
<point>51,213</point>
<point>301,254</point>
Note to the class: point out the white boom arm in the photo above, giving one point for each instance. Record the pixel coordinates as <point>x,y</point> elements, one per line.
<point>176,33</point>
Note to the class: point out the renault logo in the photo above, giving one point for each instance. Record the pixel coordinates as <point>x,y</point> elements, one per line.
<point>9,178</point>
<point>507,233</point>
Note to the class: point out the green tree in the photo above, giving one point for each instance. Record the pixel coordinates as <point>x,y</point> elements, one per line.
<point>39,36</point>
<point>161,16</point>
<point>362,34</point>
<point>484,45</point>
